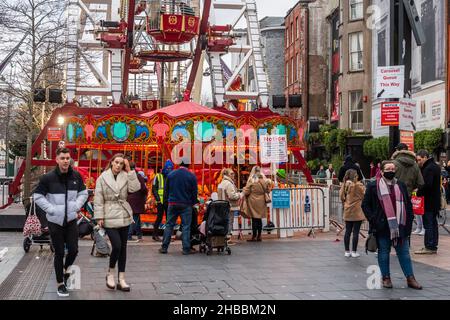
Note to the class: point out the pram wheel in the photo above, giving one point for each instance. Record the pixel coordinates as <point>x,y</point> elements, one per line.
<point>228,251</point>
<point>26,244</point>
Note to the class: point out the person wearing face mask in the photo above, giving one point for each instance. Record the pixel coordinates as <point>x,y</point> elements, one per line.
<point>114,213</point>
<point>388,208</point>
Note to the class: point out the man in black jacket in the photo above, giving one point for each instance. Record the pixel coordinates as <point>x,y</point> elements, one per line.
<point>349,164</point>
<point>431,191</point>
<point>61,193</point>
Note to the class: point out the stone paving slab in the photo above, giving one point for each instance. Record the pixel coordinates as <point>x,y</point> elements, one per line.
<point>298,269</point>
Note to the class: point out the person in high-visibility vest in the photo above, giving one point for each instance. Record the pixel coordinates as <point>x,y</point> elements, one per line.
<point>158,193</point>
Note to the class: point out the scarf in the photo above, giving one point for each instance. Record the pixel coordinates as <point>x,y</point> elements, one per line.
<point>395,217</point>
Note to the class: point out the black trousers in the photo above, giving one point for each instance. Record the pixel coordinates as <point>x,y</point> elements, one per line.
<point>256,227</point>
<point>352,226</point>
<point>62,236</point>
<point>159,216</point>
<point>431,226</point>
<point>118,238</point>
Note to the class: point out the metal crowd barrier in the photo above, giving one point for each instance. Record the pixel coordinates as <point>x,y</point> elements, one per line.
<point>4,188</point>
<point>337,211</point>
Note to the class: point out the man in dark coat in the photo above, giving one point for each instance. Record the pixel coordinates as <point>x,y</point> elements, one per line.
<point>431,191</point>
<point>137,202</point>
<point>349,164</point>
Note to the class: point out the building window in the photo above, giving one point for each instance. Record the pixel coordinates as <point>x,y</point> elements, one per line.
<point>287,37</point>
<point>356,110</point>
<point>356,9</point>
<point>287,74</point>
<point>292,70</point>
<point>298,27</point>
<point>297,70</point>
<point>341,12</point>
<point>292,32</point>
<point>356,51</point>
<point>341,57</point>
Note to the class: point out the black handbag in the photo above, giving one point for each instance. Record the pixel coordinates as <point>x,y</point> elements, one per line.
<point>371,243</point>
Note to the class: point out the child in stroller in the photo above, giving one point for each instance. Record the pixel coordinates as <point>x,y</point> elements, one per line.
<point>214,228</point>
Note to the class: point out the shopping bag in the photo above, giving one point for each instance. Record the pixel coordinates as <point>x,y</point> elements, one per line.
<point>418,204</point>
<point>32,225</point>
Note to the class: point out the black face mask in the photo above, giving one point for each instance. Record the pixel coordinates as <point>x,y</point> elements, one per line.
<point>389,175</point>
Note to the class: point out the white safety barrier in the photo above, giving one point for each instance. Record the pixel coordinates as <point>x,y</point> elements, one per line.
<point>309,209</point>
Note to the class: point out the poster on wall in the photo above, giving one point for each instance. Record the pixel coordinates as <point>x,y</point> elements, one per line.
<point>430,110</point>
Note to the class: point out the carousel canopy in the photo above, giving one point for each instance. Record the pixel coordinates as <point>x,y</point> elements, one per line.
<point>186,108</point>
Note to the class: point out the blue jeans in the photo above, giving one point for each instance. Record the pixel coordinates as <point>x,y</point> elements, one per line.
<point>186,218</point>
<point>402,250</point>
<point>136,226</point>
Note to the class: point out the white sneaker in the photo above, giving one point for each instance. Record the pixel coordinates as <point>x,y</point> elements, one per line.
<point>347,254</point>
<point>417,231</point>
<point>355,255</point>
<point>422,233</point>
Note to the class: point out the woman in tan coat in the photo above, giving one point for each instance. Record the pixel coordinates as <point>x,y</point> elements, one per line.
<point>114,213</point>
<point>255,205</point>
<point>228,191</point>
<point>352,194</point>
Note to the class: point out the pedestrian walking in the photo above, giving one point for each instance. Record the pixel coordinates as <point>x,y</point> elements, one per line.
<point>352,194</point>
<point>388,208</point>
<point>255,201</point>
<point>182,192</point>
<point>321,174</point>
<point>431,191</point>
<point>349,164</point>
<point>330,172</point>
<point>408,172</point>
<point>61,193</point>
<point>158,190</point>
<point>113,212</point>
<point>373,170</point>
<point>137,201</point>
<point>228,191</point>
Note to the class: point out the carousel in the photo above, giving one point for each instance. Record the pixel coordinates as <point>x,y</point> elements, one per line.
<point>210,139</point>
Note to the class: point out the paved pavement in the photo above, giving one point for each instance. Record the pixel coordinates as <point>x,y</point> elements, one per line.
<point>302,268</point>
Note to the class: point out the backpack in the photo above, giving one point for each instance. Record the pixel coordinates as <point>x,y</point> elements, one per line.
<point>100,245</point>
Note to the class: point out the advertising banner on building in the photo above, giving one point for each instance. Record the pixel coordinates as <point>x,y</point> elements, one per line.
<point>430,109</point>
<point>273,148</point>
<point>390,82</point>
<point>335,67</point>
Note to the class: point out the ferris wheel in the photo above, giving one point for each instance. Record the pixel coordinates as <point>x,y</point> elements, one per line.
<point>153,53</point>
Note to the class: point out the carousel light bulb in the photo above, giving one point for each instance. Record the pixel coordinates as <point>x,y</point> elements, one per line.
<point>60,120</point>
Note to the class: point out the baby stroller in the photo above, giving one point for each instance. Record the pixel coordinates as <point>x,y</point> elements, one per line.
<point>85,224</point>
<point>216,227</point>
<point>44,238</point>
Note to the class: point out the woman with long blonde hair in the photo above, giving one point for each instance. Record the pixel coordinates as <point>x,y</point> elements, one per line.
<point>114,213</point>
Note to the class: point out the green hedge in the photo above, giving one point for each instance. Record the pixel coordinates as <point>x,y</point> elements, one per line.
<point>429,140</point>
<point>377,149</point>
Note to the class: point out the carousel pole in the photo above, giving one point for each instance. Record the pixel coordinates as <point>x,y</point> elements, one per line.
<point>90,164</point>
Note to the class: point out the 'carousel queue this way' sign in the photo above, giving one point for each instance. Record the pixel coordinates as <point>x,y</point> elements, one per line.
<point>273,148</point>
<point>390,82</point>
